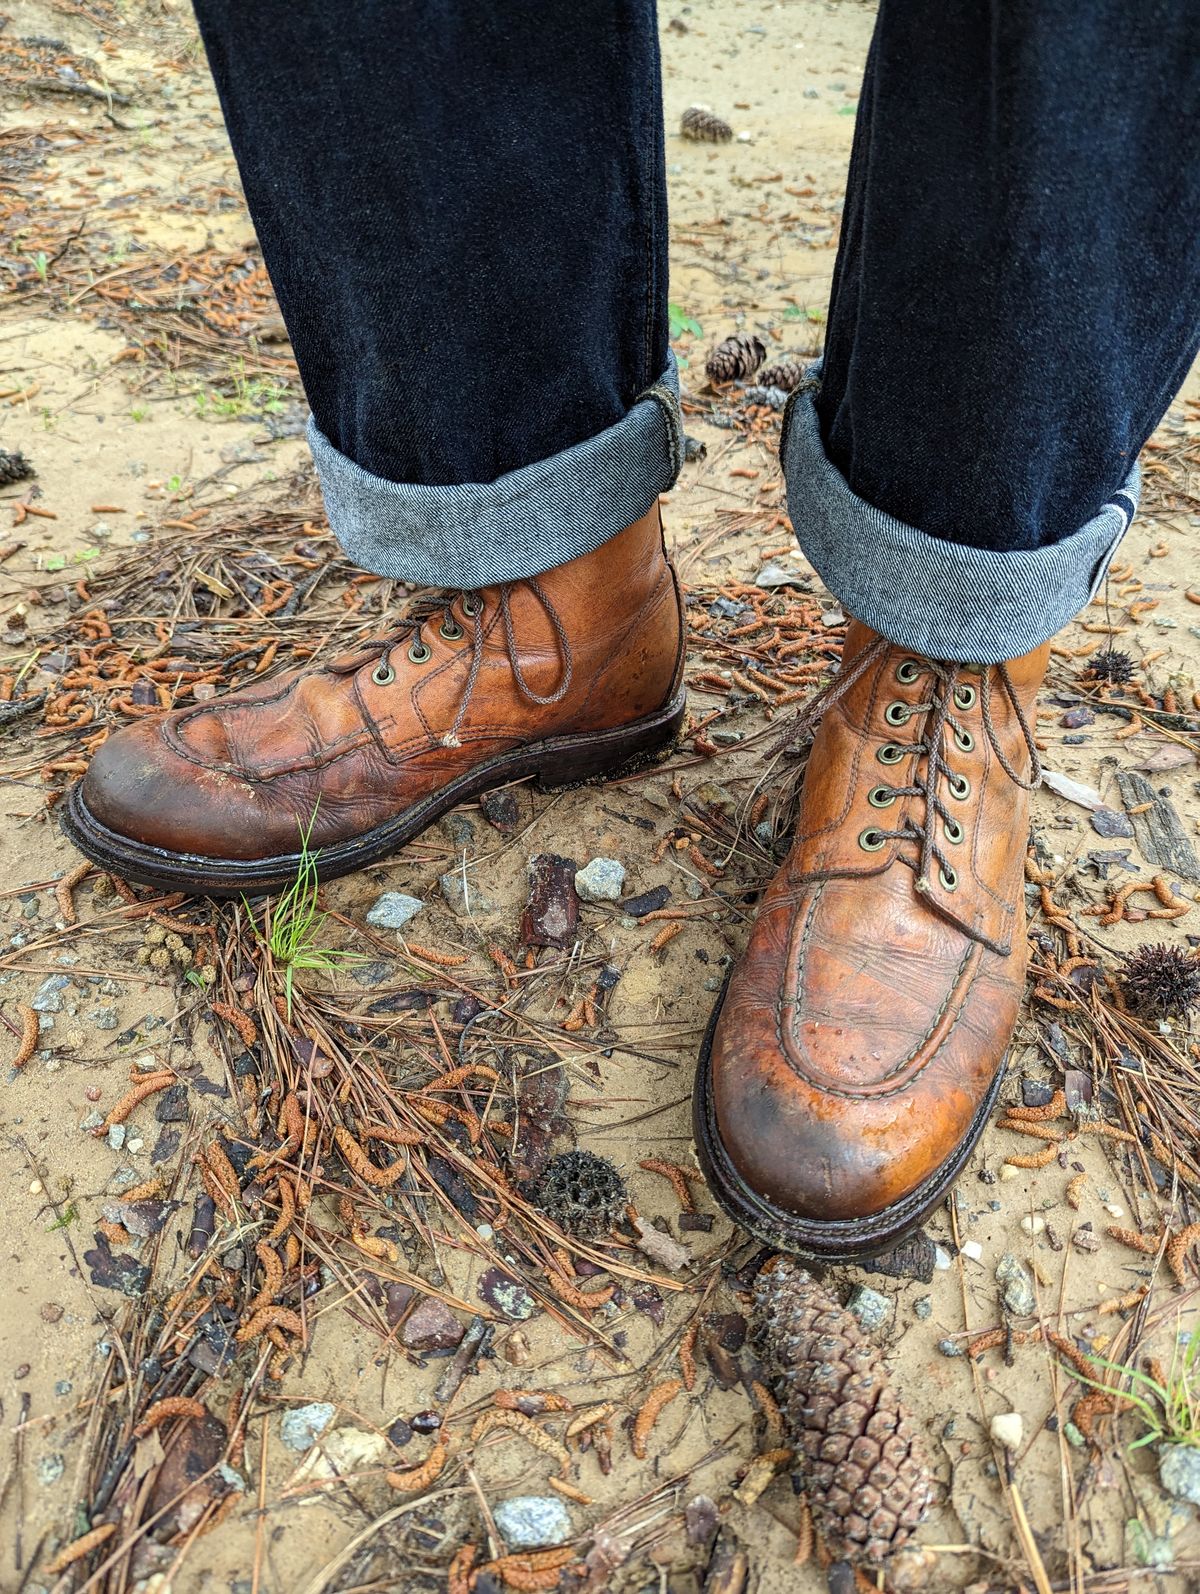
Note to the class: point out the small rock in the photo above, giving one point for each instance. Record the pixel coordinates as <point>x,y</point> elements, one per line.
<point>50,1312</point>
<point>393,910</point>
<point>950,1347</point>
<point>50,1469</point>
<point>941,1258</point>
<point>501,809</point>
<point>1007,1428</point>
<point>1016,1285</point>
<point>533,1522</point>
<point>1179,1471</point>
<point>302,1426</point>
<point>1073,1436</point>
<point>431,1326</point>
<point>1036,1092</point>
<point>505,1295</point>
<point>1075,718</point>
<point>972,1250</point>
<point>463,896</point>
<point>870,1307</point>
<point>551,914</point>
<point>1033,1223</point>
<point>377,972</point>
<point>923,1307</point>
<point>912,1258</point>
<point>1007,1172</point>
<point>49,995</point>
<point>104,1017</point>
<point>603,880</point>
<point>1109,823</point>
<point>460,829</point>
<point>116,1136</point>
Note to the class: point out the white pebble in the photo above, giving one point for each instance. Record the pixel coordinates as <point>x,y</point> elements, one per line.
<point>1114,1210</point>
<point>36,1187</point>
<point>1007,1172</point>
<point>1008,1429</point>
<point>1033,1223</point>
<point>941,1258</point>
<point>972,1250</point>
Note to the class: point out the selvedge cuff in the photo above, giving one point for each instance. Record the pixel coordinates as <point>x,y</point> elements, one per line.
<point>941,599</point>
<point>476,534</point>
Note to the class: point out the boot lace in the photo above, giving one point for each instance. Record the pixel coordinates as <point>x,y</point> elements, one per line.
<point>951,686</point>
<point>473,608</point>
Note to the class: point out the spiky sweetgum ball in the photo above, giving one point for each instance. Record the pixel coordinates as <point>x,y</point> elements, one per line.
<point>1112,667</point>
<point>1162,981</point>
<point>858,1451</point>
<point>583,1193</point>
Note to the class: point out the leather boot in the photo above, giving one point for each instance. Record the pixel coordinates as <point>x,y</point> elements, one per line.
<point>859,1044</point>
<point>574,674</point>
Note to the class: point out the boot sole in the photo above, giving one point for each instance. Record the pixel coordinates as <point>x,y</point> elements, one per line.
<point>557,762</point>
<point>839,1239</point>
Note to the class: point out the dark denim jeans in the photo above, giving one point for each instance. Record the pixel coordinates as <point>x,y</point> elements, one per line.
<point>463,211</point>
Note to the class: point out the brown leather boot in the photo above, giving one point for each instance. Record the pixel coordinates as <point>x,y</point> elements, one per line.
<point>566,677</point>
<point>860,1041</point>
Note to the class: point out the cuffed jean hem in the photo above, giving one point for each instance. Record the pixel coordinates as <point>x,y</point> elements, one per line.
<point>941,599</point>
<point>531,520</point>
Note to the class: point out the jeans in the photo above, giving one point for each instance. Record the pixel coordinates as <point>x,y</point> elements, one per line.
<point>463,211</point>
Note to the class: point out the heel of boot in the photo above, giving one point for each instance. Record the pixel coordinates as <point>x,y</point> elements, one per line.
<point>575,760</point>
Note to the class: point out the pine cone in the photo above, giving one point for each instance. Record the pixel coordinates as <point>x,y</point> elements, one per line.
<point>735,359</point>
<point>14,468</point>
<point>787,373</point>
<point>703,125</point>
<point>857,1449</point>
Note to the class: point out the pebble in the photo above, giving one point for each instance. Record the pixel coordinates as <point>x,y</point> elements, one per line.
<point>1007,1172</point>
<point>950,1347</point>
<point>923,1307</point>
<point>462,895</point>
<point>1179,1471</point>
<point>602,880</point>
<point>50,1469</point>
<point>533,1521</point>
<point>49,995</point>
<point>431,1326</point>
<point>1033,1223</point>
<point>972,1250</point>
<point>301,1427</point>
<point>1108,823</point>
<point>870,1307</point>
<point>393,910</point>
<point>116,1136</point>
<point>1073,1436</point>
<point>1007,1428</point>
<point>1016,1285</point>
<point>104,1017</point>
<point>1114,1210</point>
<point>941,1258</point>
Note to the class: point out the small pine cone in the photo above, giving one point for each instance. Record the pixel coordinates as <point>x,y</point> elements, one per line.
<point>735,359</point>
<point>14,468</point>
<point>787,373</point>
<point>699,123</point>
<point>857,1449</point>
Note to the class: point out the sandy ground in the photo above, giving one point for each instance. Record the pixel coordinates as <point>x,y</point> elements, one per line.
<point>754,227</point>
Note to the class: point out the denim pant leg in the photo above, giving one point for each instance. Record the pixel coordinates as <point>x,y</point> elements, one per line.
<point>1016,300</point>
<point>463,211</point>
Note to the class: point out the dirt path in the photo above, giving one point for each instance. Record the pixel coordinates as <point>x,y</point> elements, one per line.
<point>144,377</point>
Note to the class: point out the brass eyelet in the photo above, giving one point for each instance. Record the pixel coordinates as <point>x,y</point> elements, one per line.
<point>383,674</point>
<point>964,741</point>
<point>965,697</point>
<point>890,753</point>
<point>907,671</point>
<point>451,630</point>
<point>949,879</point>
<point>871,840</point>
<point>897,714</point>
<point>419,653</point>
<point>881,797</point>
<point>954,831</point>
<point>472,605</point>
<point>960,787</point>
